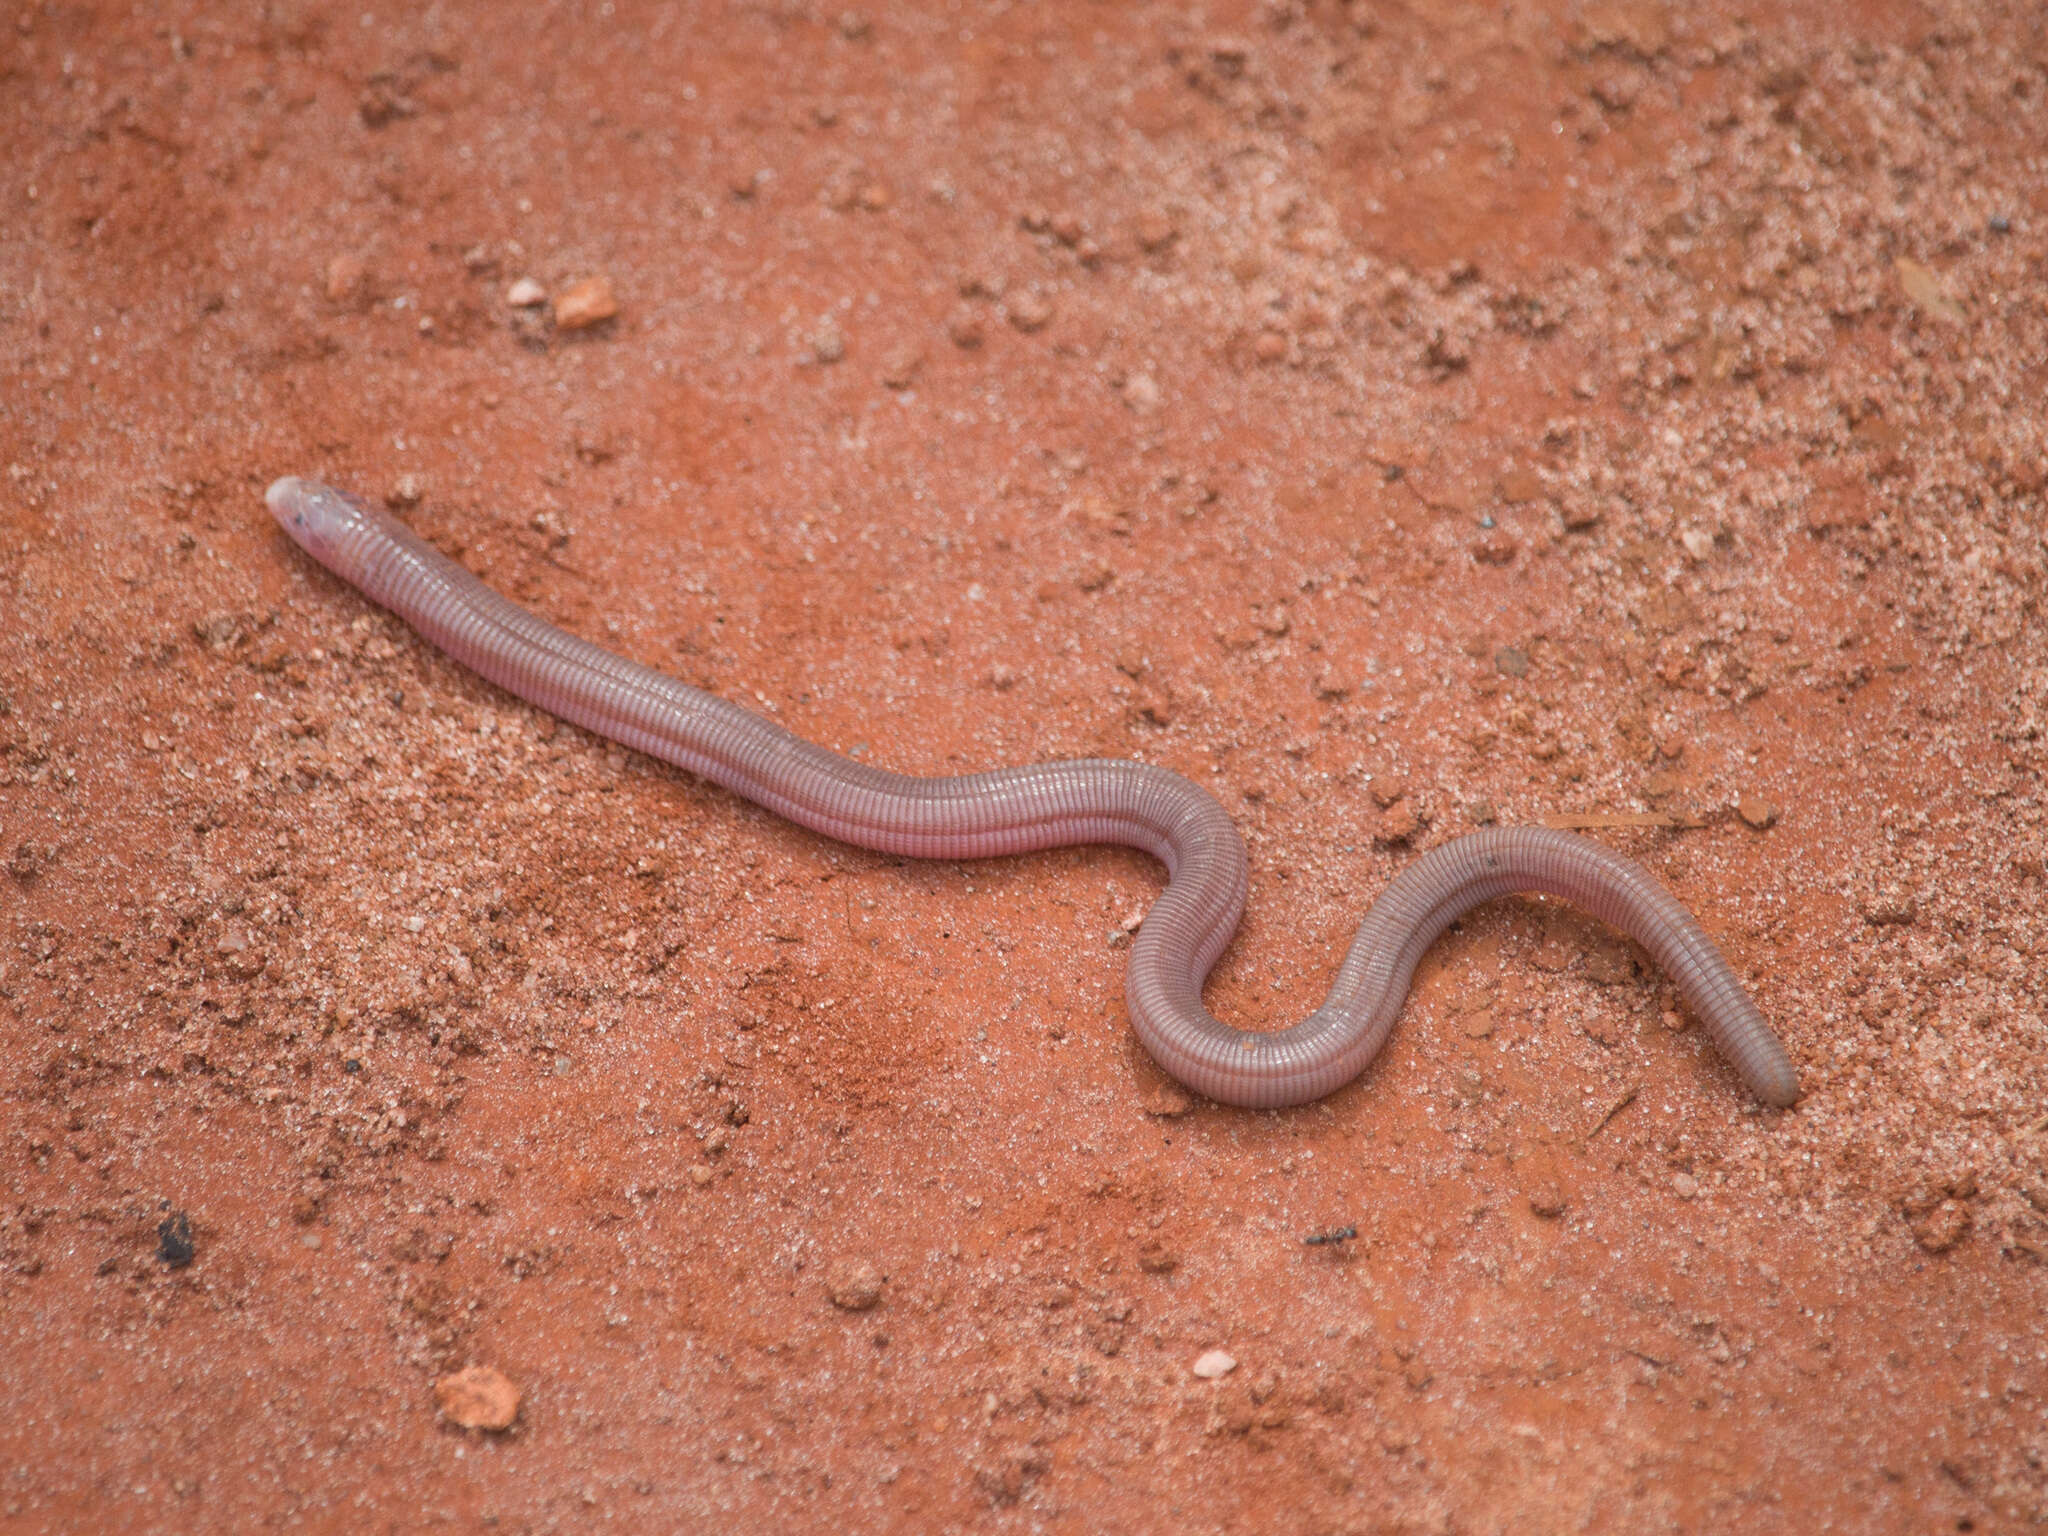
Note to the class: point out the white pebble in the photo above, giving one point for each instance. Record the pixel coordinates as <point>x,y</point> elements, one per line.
<point>1214,1365</point>
<point>525,293</point>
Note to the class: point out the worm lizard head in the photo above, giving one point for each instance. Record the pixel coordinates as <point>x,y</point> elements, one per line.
<point>318,516</point>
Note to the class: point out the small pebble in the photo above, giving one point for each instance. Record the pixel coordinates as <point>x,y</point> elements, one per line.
<point>1577,514</point>
<point>1547,1200</point>
<point>900,367</point>
<point>1661,783</point>
<point>1760,814</point>
<point>1271,347</point>
<point>1684,1185</point>
<point>1030,311</point>
<point>345,274</point>
<point>525,293</point>
<point>854,1284</point>
<point>584,304</point>
<point>477,1398</point>
<point>1478,1025</point>
<point>1397,824</point>
<point>1926,290</point>
<point>1698,542</point>
<point>1163,1098</point>
<point>1519,484</point>
<point>1155,1258</point>
<point>1511,661</point>
<point>1399,1435</point>
<point>1156,229</point>
<point>174,1244</point>
<point>1941,1228</point>
<point>1495,547</point>
<point>964,328</point>
<point>828,346</point>
<point>700,1174</point>
<point>1141,393</point>
<point>1609,964</point>
<point>1215,1365</point>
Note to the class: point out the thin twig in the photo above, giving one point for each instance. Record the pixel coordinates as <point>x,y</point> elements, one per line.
<point>1627,1098</point>
<point>1567,821</point>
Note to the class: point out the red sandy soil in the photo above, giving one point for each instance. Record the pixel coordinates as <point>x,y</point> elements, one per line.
<point>1392,416</point>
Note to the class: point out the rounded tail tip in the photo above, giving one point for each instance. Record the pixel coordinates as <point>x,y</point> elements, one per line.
<point>1776,1082</point>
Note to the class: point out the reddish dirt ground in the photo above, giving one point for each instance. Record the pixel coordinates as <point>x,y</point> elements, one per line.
<point>1394,417</point>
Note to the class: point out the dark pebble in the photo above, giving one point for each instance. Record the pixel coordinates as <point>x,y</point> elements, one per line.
<point>174,1240</point>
